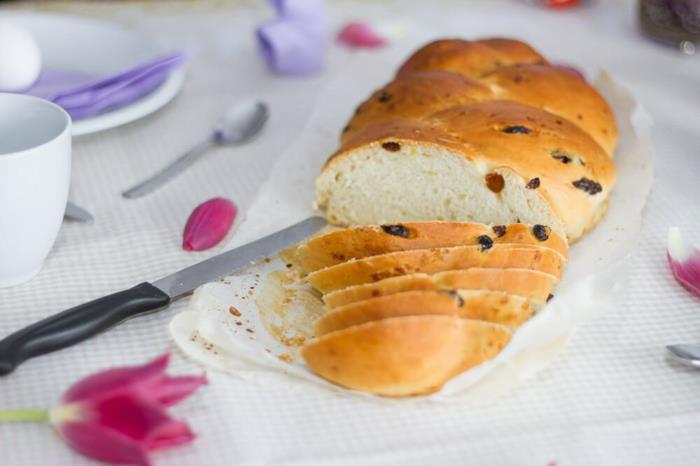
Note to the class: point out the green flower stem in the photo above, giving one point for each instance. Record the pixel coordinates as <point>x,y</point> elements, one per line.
<point>24,415</point>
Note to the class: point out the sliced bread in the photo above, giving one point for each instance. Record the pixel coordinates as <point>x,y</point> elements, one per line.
<point>531,284</point>
<point>371,240</point>
<point>404,356</point>
<point>431,261</point>
<point>491,306</point>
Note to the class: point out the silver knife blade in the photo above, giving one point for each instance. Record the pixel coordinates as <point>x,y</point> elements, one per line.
<point>686,354</point>
<point>75,212</point>
<point>188,279</point>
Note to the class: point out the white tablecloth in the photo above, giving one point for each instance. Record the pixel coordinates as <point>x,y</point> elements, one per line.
<point>611,398</point>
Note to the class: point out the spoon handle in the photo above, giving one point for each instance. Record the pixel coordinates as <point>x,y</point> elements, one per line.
<point>169,172</point>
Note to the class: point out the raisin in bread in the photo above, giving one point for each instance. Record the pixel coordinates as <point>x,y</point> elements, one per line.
<point>483,131</point>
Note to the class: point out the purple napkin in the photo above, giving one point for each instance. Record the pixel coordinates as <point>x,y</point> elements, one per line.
<point>83,96</point>
<point>295,42</point>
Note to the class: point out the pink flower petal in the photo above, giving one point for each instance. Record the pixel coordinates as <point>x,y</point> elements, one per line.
<point>113,380</point>
<point>208,224</point>
<point>169,434</point>
<point>358,35</point>
<point>684,261</point>
<point>103,444</point>
<point>168,391</point>
<point>129,415</point>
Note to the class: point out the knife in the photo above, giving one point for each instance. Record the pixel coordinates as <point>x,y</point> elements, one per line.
<point>86,320</point>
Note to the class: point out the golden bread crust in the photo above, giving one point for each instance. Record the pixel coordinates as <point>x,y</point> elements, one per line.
<point>404,356</point>
<point>561,93</point>
<point>431,261</point>
<point>414,96</point>
<point>470,58</point>
<point>371,240</point>
<point>531,284</point>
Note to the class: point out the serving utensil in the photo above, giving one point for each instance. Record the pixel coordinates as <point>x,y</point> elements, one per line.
<point>688,355</point>
<point>237,126</point>
<point>86,320</point>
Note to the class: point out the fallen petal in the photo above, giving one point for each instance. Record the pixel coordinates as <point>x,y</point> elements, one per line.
<point>358,35</point>
<point>114,380</point>
<point>208,224</point>
<point>684,261</point>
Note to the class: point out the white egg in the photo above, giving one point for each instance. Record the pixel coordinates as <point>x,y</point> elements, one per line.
<point>20,57</point>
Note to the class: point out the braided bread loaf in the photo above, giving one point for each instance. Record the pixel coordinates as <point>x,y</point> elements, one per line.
<point>484,131</point>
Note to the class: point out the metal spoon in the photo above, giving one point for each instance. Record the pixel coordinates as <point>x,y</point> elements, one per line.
<point>688,355</point>
<point>237,126</point>
<point>77,213</point>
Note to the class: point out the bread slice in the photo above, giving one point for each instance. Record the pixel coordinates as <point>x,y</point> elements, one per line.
<point>430,261</point>
<point>404,356</point>
<point>495,162</point>
<point>491,306</point>
<point>365,241</point>
<point>531,284</point>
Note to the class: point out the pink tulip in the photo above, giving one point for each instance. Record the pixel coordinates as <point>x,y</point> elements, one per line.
<point>119,415</point>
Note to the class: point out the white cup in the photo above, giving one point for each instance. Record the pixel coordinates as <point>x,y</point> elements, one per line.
<point>35,160</point>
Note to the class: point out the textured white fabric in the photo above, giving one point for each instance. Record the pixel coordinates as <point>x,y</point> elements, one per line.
<point>611,398</point>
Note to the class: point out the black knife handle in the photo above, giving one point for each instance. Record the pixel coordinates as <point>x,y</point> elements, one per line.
<point>77,324</point>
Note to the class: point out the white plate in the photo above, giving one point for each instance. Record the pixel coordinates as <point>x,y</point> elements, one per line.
<point>99,48</point>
